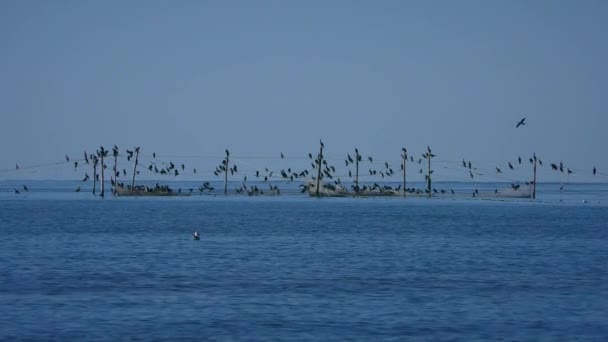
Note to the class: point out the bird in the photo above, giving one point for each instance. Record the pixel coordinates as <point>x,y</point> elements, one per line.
<point>370,159</point>
<point>86,177</point>
<point>282,156</point>
<point>153,154</point>
<point>511,166</point>
<point>520,123</point>
<point>77,189</point>
<point>25,188</point>
<point>498,170</point>
<point>67,159</point>
<point>594,170</point>
<point>519,160</point>
<point>570,171</point>
<point>16,166</point>
<point>75,165</point>
<point>16,191</point>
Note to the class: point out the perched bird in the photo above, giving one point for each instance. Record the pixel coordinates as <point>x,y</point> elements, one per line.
<point>520,123</point>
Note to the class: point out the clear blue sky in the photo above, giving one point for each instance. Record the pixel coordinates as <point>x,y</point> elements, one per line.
<point>191,78</point>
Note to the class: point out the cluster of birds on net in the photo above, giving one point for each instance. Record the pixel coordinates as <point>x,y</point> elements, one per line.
<point>320,176</point>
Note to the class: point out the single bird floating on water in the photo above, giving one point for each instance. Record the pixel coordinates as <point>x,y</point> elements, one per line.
<point>520,123</point>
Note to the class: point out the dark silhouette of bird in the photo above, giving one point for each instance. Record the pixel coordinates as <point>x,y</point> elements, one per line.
<point>469,165</point>
<point>75,165</point>
<point>194,170</point>
<point>370,159</point>
<point>25,188</point>
<point>282,156</point>
<point>498,170</point>
<point>321,142</point>
<point>310,155</point>
<point>77,189</point>
<point>554,166</point>
<point>16,191</point>
<point>594,170</point>
<point>124,172</point>
<point>519,160</point>
<point>452,191</point>
<point>86,158</point>
<point>153,154</point>
<point>67,159</point>
<point>464,163</point>
<point>16,166</point>
<point>183,167</point>
<point>570,171</point>
<point>86,177</point>
<point>520,123</point>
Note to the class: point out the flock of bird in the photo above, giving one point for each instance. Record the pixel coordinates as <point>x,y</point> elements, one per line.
<point>320,168</point>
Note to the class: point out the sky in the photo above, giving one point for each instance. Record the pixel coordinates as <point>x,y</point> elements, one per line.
<point>189,79</point>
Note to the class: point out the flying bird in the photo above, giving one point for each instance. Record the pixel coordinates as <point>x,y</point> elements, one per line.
<point>521,122</point>
<point>16,191</point>
<point>498,170</point>
<point>25,188</point>
<point>67,159</point>
<point>282,156</point>
<point>511,166</point>
<point>594,170</point>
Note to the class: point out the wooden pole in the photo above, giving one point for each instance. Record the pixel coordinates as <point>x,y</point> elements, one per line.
<point>404,161</point>
<point>428,156</point>
<point>320,162</point>
<point>534,179</point>
<point>357,157</point>
<point>135,168</point>
<point>115,177</point>
<point>102,194</point>
<point>226,173</point>
<point>94,174</point>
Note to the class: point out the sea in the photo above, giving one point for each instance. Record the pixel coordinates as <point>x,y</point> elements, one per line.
<point>76,267</point>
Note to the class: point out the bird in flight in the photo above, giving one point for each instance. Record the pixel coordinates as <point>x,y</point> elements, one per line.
<point>594,170</point>
<point>520,123</point>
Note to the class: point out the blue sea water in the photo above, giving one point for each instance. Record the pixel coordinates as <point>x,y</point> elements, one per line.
<point>75,267</point>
